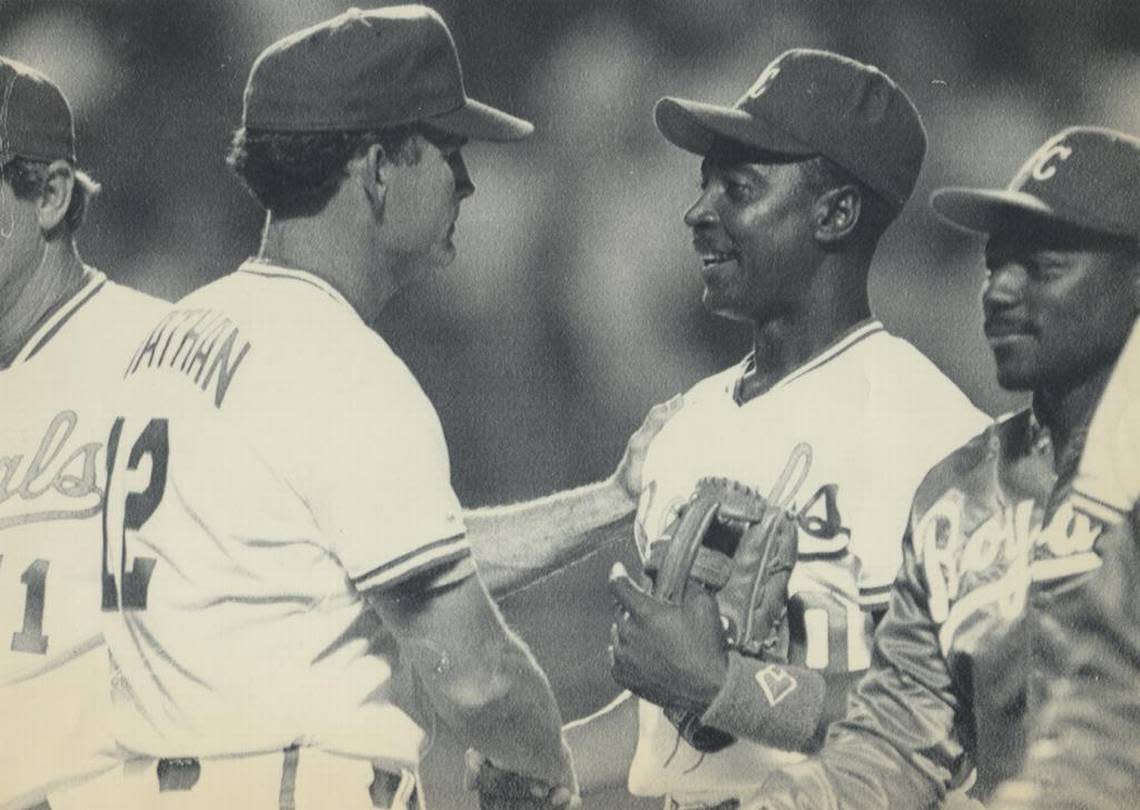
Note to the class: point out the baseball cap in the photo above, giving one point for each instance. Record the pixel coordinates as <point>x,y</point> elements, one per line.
<point>370,69</point>
<point>809,102</point>
<point>1083,176</point>
<point>35,118</point>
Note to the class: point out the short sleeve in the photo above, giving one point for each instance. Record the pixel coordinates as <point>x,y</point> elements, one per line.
<point>380,481</point>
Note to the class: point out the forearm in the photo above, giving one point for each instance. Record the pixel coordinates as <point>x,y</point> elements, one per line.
<point>513,720</point>
<point>855,771</point>
<point>518,544</point>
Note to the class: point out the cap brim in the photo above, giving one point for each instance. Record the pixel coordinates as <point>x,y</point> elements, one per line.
<point>985,210</point>
<point>483,122</point>
<point>694,125</point>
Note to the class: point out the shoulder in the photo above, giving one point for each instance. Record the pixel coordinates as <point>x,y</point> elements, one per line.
<point>128,299</point>
<point>895,362</point>
<point>297,333</point>
<point>118,317</point>
<point>955,472</point>
<point>906,384</point>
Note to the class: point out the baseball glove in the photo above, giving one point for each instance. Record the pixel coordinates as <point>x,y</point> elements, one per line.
<point>740,546</point>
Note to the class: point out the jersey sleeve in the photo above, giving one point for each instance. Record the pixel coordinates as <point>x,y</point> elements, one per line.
<point>899,744</point>
<point>381,480</point>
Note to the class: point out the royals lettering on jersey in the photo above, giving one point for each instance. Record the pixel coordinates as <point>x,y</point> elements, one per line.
<point>56,398</point>
<point>985,571</point>
<point>51,473</point>
<point>861,424</point>
<point>986,537</point>
<point>57,481</point>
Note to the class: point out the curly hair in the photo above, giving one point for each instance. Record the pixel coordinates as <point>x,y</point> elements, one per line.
<point>28,179</point>
<point>294,174</point>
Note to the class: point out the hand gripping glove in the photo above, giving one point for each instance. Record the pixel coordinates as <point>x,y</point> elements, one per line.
<point>730,539</point>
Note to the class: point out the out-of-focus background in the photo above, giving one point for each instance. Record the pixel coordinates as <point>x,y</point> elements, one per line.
<point>574,303</point>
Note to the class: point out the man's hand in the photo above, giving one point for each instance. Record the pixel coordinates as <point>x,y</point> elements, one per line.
<point>628,472</point>
<point>502,789</point>
<point>671,655</point>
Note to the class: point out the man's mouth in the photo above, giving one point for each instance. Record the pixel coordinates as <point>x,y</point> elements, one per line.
<point>997,330</point>
<point>711,258</point>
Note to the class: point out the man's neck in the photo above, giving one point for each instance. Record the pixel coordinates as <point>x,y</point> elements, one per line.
<point>1066,412</point>
<point>836,303</point>
<point>307,243</point>
<point>56,278</point>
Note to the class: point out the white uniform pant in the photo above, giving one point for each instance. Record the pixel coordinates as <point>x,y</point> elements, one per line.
<point>54,730</point>
<point>294,779</point>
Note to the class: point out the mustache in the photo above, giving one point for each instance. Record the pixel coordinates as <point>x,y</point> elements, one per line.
<point>999,326</point>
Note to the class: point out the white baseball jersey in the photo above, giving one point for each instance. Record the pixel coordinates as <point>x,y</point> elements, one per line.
<point>274,459</point>
<point>856,427</point>
<point>54,421</point>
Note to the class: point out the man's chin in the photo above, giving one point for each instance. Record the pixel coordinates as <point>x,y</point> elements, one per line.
<point>1016,379</point>
<point>716,304</point>
<point>439,259</point>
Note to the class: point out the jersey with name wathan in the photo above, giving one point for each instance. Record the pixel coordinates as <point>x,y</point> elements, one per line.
<point>274,460</point>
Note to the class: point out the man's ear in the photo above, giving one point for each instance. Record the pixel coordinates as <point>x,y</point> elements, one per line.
<point>55,199</point>
<point>837,212</point>
<point>375,175</point>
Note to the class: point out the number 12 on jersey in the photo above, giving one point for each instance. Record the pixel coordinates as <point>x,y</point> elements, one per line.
<point>136,481</point>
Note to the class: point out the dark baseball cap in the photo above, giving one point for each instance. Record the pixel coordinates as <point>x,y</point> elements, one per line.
<point>809,102</point>
<point>35,118</point>
<point>369,70</point>
<point>1083,176</point>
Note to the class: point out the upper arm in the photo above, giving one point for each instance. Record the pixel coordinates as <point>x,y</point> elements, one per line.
<point>377,480</point>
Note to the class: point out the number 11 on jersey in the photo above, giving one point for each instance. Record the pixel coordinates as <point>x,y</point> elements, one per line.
<point>136,481</point>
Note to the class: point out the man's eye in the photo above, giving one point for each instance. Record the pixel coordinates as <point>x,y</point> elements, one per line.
<point>1047,265</point>
<point>737,190</point>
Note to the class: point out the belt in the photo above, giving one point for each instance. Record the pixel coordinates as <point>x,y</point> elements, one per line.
<point>182,773</point>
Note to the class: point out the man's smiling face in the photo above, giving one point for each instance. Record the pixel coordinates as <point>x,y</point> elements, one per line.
<point>753,230</point>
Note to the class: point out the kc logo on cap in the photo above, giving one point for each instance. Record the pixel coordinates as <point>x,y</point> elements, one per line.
<point>808,102</point>
<point>763,83</point>
<point>1088,177</point>
<point>1042,169</point>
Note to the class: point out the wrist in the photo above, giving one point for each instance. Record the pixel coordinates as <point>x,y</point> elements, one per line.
<point>711,686</point>
<point>619,493</point>
<point>774,704</point>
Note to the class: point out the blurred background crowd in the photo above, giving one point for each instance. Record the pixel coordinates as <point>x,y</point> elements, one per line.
<point>574,303</point>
